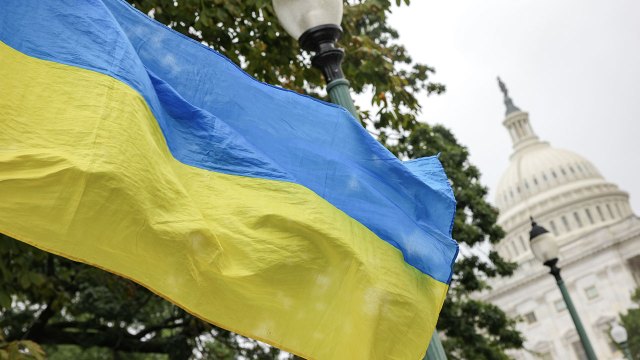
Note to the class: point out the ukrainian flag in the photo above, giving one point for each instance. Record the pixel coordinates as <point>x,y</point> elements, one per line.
<point>129,147</point>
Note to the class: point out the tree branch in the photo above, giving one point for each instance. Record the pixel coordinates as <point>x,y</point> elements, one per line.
<point>40,322</point>
<point>163,326</point>
<point>116,339</point>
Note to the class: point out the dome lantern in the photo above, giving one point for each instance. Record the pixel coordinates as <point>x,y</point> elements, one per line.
<point>517,122</point>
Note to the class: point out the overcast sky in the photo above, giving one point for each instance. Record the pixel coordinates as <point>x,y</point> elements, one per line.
<point>574,65</point>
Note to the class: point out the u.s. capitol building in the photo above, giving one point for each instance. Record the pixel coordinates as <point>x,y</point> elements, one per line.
<point>597,233</point>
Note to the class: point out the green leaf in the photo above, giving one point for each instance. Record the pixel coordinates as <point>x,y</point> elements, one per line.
<point>5,300</point>
<point>36,279</point>
<point>34,350</point>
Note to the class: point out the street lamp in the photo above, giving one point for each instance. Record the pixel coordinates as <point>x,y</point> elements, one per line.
<point>316,26</point>
<point>619,335</point>
<point>545,249</point>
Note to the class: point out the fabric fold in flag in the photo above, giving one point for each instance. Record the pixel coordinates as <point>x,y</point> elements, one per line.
<point>430,171</point>
<point>129,147</point>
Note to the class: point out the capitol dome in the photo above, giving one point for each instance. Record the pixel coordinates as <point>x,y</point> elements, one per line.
<point>598,239</point>
<point>539,168</point>
<point>562,190</point>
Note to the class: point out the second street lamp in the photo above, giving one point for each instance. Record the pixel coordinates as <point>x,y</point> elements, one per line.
<point>545,249</point>
<point>620,336</point>
<point>316,26</point>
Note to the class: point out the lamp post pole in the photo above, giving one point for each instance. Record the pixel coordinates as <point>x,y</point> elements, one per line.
<point>316,25</point>
<point>584,339</point>
<point>626,350</point>
<point>545,249</point>
<point>435,351</point>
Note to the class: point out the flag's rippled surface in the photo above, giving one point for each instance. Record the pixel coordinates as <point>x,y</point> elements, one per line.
<point>132,148</point>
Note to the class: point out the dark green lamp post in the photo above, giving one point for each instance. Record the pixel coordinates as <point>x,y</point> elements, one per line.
<point>316,26</point>
<point>545,249</point>
<point>620,336</point>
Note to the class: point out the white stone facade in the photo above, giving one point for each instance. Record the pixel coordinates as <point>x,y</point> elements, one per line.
<point>599,239</point>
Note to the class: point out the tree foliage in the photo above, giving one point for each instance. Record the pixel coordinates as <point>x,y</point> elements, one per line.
<point>20,350</point>
<point>631,322</point>
<point>82,312</point>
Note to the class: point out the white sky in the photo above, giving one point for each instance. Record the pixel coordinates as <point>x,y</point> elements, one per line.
<point>573,65</point>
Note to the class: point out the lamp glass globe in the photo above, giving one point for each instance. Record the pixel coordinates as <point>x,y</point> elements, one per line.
<point>298,16</point>
<point>544,247</point>
<point>619,334</point>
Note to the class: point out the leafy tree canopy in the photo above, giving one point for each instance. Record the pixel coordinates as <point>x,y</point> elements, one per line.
<point>631,322</point>
<point>76,311</point>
